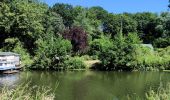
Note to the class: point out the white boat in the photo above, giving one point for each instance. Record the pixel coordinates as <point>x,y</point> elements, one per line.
<point>9,61</point>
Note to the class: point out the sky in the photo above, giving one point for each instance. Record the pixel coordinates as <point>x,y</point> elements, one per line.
<point>119,6</point>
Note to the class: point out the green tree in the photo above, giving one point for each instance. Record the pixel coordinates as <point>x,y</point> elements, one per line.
<point>146,23</point>
<point>50,47</point>
<point>22,19</point>
<point>82,20</point>
<point>117,54</point>
<point>53,23</point>
<point>162,38</point>
<point>66,12</point>
<point>116,23</point>
<point>97,16</point>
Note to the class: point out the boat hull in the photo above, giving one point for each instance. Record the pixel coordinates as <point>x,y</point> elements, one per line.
<point>4,68</point>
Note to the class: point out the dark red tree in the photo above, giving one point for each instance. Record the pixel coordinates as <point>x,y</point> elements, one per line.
<point>78,38</point>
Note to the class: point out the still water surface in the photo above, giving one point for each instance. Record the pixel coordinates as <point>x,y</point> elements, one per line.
<point>90,85</point>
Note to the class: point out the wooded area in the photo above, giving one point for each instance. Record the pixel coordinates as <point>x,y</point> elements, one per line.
<point>39,33</point>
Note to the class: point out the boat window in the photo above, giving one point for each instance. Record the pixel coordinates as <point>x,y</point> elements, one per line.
<point>3,59</point>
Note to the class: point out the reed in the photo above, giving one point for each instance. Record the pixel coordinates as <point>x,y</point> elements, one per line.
<point>24,92</point>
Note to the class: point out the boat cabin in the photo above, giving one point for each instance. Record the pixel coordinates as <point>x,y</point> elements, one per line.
<point>9,61</point>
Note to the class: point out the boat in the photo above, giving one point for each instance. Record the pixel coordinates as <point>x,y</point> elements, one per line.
<point>9,62</point>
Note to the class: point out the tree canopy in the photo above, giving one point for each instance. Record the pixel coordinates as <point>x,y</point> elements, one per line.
<point>51,37</point>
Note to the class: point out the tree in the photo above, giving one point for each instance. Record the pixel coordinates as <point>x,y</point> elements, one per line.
<point>146,23</point>
<point>22,19</point>
<point>78,38</point>
<point>162,38</point>
<point>100,45</point>
<point>65,11</point>
<point>117,54</point>
<point>53,23</point>
<point>82,20</point>
<point>50,48</point>
<point>96,15</point>
<point>116,23</point>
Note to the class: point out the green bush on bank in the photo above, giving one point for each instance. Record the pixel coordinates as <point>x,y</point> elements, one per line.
<point>47,52</point>
<point>117,53</point>
<point>74,63</point>
<point>128,53</point>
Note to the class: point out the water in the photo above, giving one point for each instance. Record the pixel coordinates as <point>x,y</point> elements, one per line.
<point>91,85</point>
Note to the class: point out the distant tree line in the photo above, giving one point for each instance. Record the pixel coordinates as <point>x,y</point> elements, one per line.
<point>40,33</point>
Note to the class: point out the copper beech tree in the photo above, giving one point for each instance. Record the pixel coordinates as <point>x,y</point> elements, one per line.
<point>78,38</point>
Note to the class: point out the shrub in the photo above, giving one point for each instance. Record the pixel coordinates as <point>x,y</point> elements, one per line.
<point>116,54</point>
<point>74,63</point>
<point>49,49</point>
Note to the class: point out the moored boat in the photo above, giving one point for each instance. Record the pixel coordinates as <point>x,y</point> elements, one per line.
<point>9,61</point>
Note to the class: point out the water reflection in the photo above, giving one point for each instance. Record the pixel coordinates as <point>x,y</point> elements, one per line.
<point>91,85</point>
<point>9,80</point>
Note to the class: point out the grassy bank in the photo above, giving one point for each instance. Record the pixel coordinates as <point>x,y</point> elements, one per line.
<point>162,93</point>
<point>24,92</point>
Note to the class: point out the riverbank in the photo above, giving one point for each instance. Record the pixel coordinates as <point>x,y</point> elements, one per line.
<point>25,92</point>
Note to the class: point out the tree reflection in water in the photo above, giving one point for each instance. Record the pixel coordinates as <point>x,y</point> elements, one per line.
<point>9,80</point>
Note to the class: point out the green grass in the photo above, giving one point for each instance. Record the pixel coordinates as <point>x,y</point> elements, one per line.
<point>24,92</point>
<point>162,93</point>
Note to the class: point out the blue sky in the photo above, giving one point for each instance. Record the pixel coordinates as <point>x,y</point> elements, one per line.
<point>119,6</point>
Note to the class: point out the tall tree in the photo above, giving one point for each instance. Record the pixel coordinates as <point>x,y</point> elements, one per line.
<point>146,23</point>
<point>65,11</point>
<point>82,20</point>
<point>23,19</point>
<point>113,24</point>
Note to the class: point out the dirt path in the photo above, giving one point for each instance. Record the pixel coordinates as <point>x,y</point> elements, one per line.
<point>91,63</point>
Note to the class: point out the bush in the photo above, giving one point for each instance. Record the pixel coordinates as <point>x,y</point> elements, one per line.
<point>116,54</point>
<point>74,63</point>
<point>100,45</point>
<point>49,49</point>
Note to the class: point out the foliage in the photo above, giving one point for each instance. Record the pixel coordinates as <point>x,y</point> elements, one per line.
<point>163,93</point>
<point>14,45</point>
<point>100,45</point>
<point>74,63</point>
<point>24,92</point>
<point>78,38</point>
<point>66,12</point>
<point>40,34</point>
<point>118,54</point>
<point>117,23</point>
<point>96,15</point>
<point>53,23</point>
<point>48,50</point>
<point>82,21</point>
<point>163,31</point>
